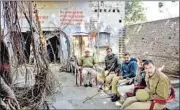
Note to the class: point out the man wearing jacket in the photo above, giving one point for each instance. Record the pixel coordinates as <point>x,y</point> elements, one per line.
<point>139,80</point>
<point>128,70</point>
<point>112,68</point>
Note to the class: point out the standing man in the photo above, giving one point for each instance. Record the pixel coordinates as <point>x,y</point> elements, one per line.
<point>158,88</point>
<point>112,68</point>
<point>87,64</point>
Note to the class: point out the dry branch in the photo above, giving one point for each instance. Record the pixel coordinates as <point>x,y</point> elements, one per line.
<point>45,82</point>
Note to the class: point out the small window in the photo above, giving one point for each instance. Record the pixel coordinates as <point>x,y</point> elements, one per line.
<point>104,39</point>
<point>100,10</point>
<point>113,10</point>
<point>160,5</point>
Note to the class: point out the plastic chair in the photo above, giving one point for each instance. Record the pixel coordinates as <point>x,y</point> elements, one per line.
<point>164,102</point>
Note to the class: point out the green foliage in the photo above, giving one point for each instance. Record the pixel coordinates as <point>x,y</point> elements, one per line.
<point>134,12</point>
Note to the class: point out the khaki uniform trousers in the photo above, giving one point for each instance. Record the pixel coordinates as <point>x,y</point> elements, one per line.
<point>108,79</point>
<point>115,82</point>
<point>88,74</point>
<point>133,103</point>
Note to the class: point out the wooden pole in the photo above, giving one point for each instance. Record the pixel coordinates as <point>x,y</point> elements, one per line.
<point>89,98</point>
<point>98,35</point>
<point>0,34</point>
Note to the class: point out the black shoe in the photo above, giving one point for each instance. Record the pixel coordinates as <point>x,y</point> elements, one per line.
<point>100,88</point>
<point>110,87</point>
<point>85,85</point>
<point>112,95</point>
<point>115,98</point>
<point>90,85</point>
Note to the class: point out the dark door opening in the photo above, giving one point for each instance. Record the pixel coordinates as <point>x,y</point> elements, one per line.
<point>4,64</point>
<point>27,42</point>
<point>4,54</point>
<point>52,49</point>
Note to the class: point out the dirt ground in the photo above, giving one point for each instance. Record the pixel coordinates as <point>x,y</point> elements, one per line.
<point>72,97</point>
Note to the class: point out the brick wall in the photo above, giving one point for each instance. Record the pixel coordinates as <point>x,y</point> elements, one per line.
<point>157,40</point>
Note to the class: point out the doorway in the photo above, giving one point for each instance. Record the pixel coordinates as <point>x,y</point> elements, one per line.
<point>53,49</point>
<point>80,43</point>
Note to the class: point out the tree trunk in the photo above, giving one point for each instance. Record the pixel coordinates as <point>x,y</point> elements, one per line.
<point>7,97</point>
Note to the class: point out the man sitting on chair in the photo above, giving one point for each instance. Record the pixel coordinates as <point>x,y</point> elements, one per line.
<point>87,64</point>
<point>122,90</point>
<point>112,68</point>
<point>158,88</point>
<point>128,70</point>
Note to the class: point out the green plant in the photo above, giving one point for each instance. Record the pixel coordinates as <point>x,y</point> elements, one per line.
<point>134,12</point>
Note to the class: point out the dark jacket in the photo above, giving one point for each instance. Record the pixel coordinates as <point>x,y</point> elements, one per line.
<point>110,60</point>
<point>139,80</point>
<point>129,69</point>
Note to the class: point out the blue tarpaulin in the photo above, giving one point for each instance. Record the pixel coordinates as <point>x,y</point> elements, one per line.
<point>79,31</point>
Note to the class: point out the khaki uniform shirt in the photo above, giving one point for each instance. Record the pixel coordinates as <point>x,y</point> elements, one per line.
<point>87,61</point>
<point>159,85</point>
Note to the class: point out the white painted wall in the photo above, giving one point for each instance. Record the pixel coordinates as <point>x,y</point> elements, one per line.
<point>153,12</point>
<point>108,21</point>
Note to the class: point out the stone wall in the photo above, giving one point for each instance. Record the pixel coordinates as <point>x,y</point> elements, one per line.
<point>156,40</point>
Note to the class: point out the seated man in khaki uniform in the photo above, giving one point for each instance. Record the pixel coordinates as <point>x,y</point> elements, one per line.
<point>112,68</point>
<point>158,87</point>
<point>87,64</point>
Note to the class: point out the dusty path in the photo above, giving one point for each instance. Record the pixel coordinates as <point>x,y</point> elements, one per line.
<point>72,97</point>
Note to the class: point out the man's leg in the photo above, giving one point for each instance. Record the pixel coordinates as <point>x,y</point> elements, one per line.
<point>101,77</point>
<point>85,76</point>
<point>116,96</point>
<point>100,80</point>
<point>144,106</point>
<point>115,84</point>
<point>108,80</point>
<point>128,102</point>
<point>139,106</point>
<point>122,90</point>
<point>93,74</point>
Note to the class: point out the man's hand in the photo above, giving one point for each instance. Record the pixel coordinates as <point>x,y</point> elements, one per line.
<point>106,73</point>
<point>161,68</point>
<point>130,81</point>
<point>122,81</point>
<point>147,89</point>
<point>95,65</point>
<point>120,77</point>
<point>80,68</point>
